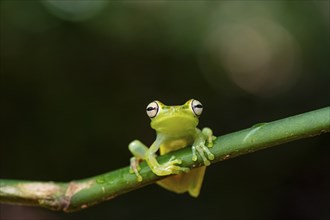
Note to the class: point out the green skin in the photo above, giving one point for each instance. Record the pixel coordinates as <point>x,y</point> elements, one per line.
<point>176,127</point>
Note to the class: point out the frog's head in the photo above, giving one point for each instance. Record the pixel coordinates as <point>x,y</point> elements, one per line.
<point>174,119</point>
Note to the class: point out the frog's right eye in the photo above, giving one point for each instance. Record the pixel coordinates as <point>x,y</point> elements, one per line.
<point>152,109</point>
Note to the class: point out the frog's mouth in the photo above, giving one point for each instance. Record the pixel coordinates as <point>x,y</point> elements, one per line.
<point>175,124</point>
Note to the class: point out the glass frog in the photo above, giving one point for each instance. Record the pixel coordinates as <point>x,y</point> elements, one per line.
<point>176,127</point>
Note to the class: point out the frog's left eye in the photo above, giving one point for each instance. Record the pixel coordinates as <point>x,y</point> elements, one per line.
<point>197,107</point>
<point>152,109</point>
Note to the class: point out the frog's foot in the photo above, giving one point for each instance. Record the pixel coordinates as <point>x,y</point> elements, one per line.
<point>202,145</point>
<point>208,135</point>
<point>202,150</point>
<point>170,167</point>
<point>135,168</point>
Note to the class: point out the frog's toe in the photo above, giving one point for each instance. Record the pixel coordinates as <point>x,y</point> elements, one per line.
<point>174,169</point>
<point>137,174</point>
<point>202,150</point>
<point>172,162</point>
<point>135,168</point>
<point>175,161</point>
<point>178,169</point>
<point>171,167</point>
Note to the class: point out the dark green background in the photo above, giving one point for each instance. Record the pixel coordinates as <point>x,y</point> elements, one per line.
<point>75,84</point>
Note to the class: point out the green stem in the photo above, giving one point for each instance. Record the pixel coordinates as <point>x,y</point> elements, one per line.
<point>81,194</point>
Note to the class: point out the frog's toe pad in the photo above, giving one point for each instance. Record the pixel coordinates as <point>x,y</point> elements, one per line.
<point>211,156</point>
<point>139,178</point>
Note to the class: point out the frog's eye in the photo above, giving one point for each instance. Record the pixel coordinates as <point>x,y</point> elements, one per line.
<point>196,107</point>
<point>152,109</point>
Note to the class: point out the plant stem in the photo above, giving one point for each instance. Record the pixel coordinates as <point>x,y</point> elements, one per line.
<point>80,194</point>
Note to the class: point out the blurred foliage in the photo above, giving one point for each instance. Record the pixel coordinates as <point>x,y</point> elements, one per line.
<point>76,77</point>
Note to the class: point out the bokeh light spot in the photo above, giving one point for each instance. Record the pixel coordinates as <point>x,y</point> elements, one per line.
<point>74,10</point>
<point>258,55</point>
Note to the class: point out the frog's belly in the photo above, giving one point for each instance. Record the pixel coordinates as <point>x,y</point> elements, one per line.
<point>173,145</point>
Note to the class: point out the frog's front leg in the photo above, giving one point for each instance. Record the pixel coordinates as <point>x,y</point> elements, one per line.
<point>170,167</point>
<point>139,151</point>
<point>199,145</point>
